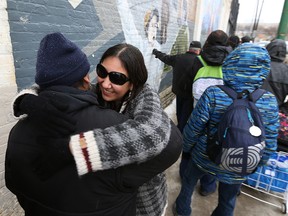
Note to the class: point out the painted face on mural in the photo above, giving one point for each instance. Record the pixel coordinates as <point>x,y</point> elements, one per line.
<point>152,29</point>
<point>151,23</point>
<point>109,90</point>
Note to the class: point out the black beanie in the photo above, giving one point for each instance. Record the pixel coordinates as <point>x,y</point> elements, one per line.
<point>60,62</point>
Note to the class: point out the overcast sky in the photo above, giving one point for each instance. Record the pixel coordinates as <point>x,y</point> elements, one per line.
<point>271,11</point>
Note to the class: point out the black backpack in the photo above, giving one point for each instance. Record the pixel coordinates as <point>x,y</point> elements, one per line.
<point>239,141</point>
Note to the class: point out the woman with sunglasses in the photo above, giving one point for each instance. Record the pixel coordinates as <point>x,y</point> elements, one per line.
<point>121,79</point>
<point>121,86</point>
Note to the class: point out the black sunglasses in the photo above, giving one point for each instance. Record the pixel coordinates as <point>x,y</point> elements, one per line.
<point>115,77</point>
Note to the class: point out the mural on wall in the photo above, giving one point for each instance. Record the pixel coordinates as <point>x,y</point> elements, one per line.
<point>181,42</point>
<point>78,21</point>
<point>212,9</point>
<point>145,24</point>
<point>191,17</point>
<point>165,14</point>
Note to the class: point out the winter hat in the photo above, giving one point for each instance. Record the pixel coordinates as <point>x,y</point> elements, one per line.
<point>59,62</point>
<point>248,64</point>
<point>234,41</point>
<point>195,44</point>
<point>277,50</point>
<point>245,39</point>
<point>217,37</point>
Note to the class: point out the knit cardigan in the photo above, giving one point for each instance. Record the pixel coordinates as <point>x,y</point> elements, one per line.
<point>144,135</point>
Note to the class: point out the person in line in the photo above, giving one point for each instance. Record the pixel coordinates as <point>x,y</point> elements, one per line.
<point>214,52</point>
<point>245,68</point>
<point>277,83</point>
<point>62,73</point>
<point>234,41</point>
<point>145,134</point>
<point>181,83</point>
<point>246,39</point>
<point>277,80</point>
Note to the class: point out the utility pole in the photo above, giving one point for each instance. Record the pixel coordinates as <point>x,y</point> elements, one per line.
<point>256,19</point>
<point>283,25</point>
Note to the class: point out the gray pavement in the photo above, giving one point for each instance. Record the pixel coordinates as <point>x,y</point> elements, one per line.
<point>203,206</point>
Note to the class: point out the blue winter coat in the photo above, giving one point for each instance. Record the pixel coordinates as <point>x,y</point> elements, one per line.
<point>244,68</point>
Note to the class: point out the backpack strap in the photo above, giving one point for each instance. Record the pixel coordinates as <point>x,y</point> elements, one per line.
<point>202,60</point>
<point>230,92</point>
<point>256,94</point>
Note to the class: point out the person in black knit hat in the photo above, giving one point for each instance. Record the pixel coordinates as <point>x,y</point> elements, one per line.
<point>41,171</point>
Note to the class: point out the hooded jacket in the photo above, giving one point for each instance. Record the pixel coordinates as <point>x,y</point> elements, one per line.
<point>277,80</point>
<point>244,68</point>
<point>111,192</point>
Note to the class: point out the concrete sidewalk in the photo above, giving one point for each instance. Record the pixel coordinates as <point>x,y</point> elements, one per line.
<point>203,206</point>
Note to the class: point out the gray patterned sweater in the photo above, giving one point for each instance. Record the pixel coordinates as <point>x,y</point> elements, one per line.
<point>144,135</point>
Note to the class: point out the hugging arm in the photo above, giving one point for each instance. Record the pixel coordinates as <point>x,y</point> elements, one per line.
<point>134,175</point>
<point>46,111</point>
<point>144,135</point>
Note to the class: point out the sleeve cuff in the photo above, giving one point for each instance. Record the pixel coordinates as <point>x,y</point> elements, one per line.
<point>86,153</point>
<point>15,104</point>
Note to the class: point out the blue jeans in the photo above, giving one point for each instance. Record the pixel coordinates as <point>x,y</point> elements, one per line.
<point>207,182</point>
<point>226,198</point>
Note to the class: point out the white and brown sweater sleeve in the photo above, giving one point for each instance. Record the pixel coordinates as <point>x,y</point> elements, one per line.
<point>144,135</point>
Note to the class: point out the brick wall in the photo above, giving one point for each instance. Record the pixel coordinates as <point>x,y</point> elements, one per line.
<point>8,88</point>
<point>94,25</point>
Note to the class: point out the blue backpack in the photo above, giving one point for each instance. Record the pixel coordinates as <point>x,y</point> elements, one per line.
<point>239,141</point>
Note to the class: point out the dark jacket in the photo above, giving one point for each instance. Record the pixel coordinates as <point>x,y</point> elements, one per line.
<point>277,80</point>
<point>110,192</point>
<point>182,64</point>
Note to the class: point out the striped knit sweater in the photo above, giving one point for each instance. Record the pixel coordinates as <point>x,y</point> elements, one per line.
<point>144,135</point>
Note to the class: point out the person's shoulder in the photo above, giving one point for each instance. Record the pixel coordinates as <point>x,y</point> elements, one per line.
<point>147,88</point>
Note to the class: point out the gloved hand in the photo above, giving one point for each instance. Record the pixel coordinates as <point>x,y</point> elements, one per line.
<point>48,113</point>
<point>55,156</point>
<point>154,51</point>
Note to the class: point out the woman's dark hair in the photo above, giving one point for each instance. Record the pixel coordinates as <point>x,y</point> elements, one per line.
<point>132,60</point>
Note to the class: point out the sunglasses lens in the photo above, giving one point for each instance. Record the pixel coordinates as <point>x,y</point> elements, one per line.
<point>101,71</point>
<point>117,78</point>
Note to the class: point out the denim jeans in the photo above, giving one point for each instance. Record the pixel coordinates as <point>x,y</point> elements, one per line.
<point>226,198</point>
<point>207,182</point>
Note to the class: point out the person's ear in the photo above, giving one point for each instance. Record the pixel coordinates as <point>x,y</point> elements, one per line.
<point>131,87</point>
<point>86,82</point>
<point>86,79</point>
